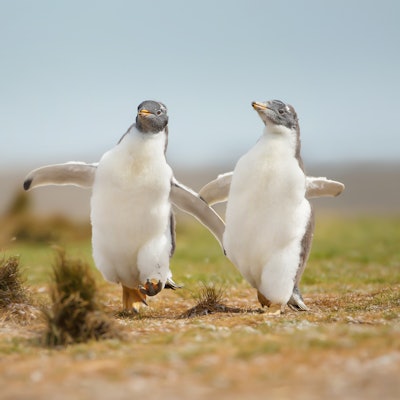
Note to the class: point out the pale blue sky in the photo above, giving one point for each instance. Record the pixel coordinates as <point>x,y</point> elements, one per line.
<point>73,72</point>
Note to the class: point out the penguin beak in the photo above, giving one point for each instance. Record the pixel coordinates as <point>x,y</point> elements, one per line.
<point>261,109</point>
<point>144,113</point>
<point>259,106</point>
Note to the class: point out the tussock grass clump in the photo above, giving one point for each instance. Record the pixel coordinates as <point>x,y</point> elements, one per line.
<point>12,289</point>
<point>76,315</point>
<point>15,299</point>
<point>209,301</point>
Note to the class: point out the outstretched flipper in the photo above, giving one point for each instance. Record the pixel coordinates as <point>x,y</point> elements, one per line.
<point>82,174</point>
<point>190,202</point>
<point>322,187</point>
<point>71,173</point>
<point>217,191</point>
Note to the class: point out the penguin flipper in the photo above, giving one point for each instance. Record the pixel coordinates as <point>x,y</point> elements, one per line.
<point>217,190</point>
<point>322,187</point>
<point>71,173</point>
<point>190,202</point>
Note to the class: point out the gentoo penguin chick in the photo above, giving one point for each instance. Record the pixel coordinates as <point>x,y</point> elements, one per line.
<point>270,244</point>
<point>130,209</point>
<point>133,234</point>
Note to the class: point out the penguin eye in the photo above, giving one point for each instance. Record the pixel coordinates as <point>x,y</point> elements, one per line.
<point>158,112</point>
<point>281,111</point>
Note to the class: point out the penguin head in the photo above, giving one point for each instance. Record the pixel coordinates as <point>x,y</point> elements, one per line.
<point>151,117</point>
<point>275,112</point>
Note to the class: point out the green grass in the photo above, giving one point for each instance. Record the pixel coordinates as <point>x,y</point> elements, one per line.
<point>354,253</point>
<point>199,258</point>
<point>37,259</point>
<point>351,284</point>
<point>348,254</point>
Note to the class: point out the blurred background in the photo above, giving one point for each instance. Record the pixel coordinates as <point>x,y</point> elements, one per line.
<point>72,74</point>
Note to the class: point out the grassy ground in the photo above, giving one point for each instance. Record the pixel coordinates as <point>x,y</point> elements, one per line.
<point>346,346</point>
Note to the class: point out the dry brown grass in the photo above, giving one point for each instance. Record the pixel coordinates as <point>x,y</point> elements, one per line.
<point>16,303</point>
<point>209,300</point>
<point>76,314</point>
<point>12,289</point>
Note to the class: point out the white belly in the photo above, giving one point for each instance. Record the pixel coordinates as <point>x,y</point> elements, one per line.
<point>130,212</point>
<point>266,219</point>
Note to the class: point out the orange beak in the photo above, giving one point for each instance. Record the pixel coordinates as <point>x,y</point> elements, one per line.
<point>259,106</point>
<point>144,112</point>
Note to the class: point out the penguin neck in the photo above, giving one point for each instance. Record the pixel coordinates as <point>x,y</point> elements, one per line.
<point>279,139</point>
<point>144,144</point>
<point>282,141</point>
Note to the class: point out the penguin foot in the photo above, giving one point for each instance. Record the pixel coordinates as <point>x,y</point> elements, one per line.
<point>151,288</point>
<point>170,284</point>
<point>132,299</point>
<point>263,300</point>
<point>279,310</point>
<point>296,302</point>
